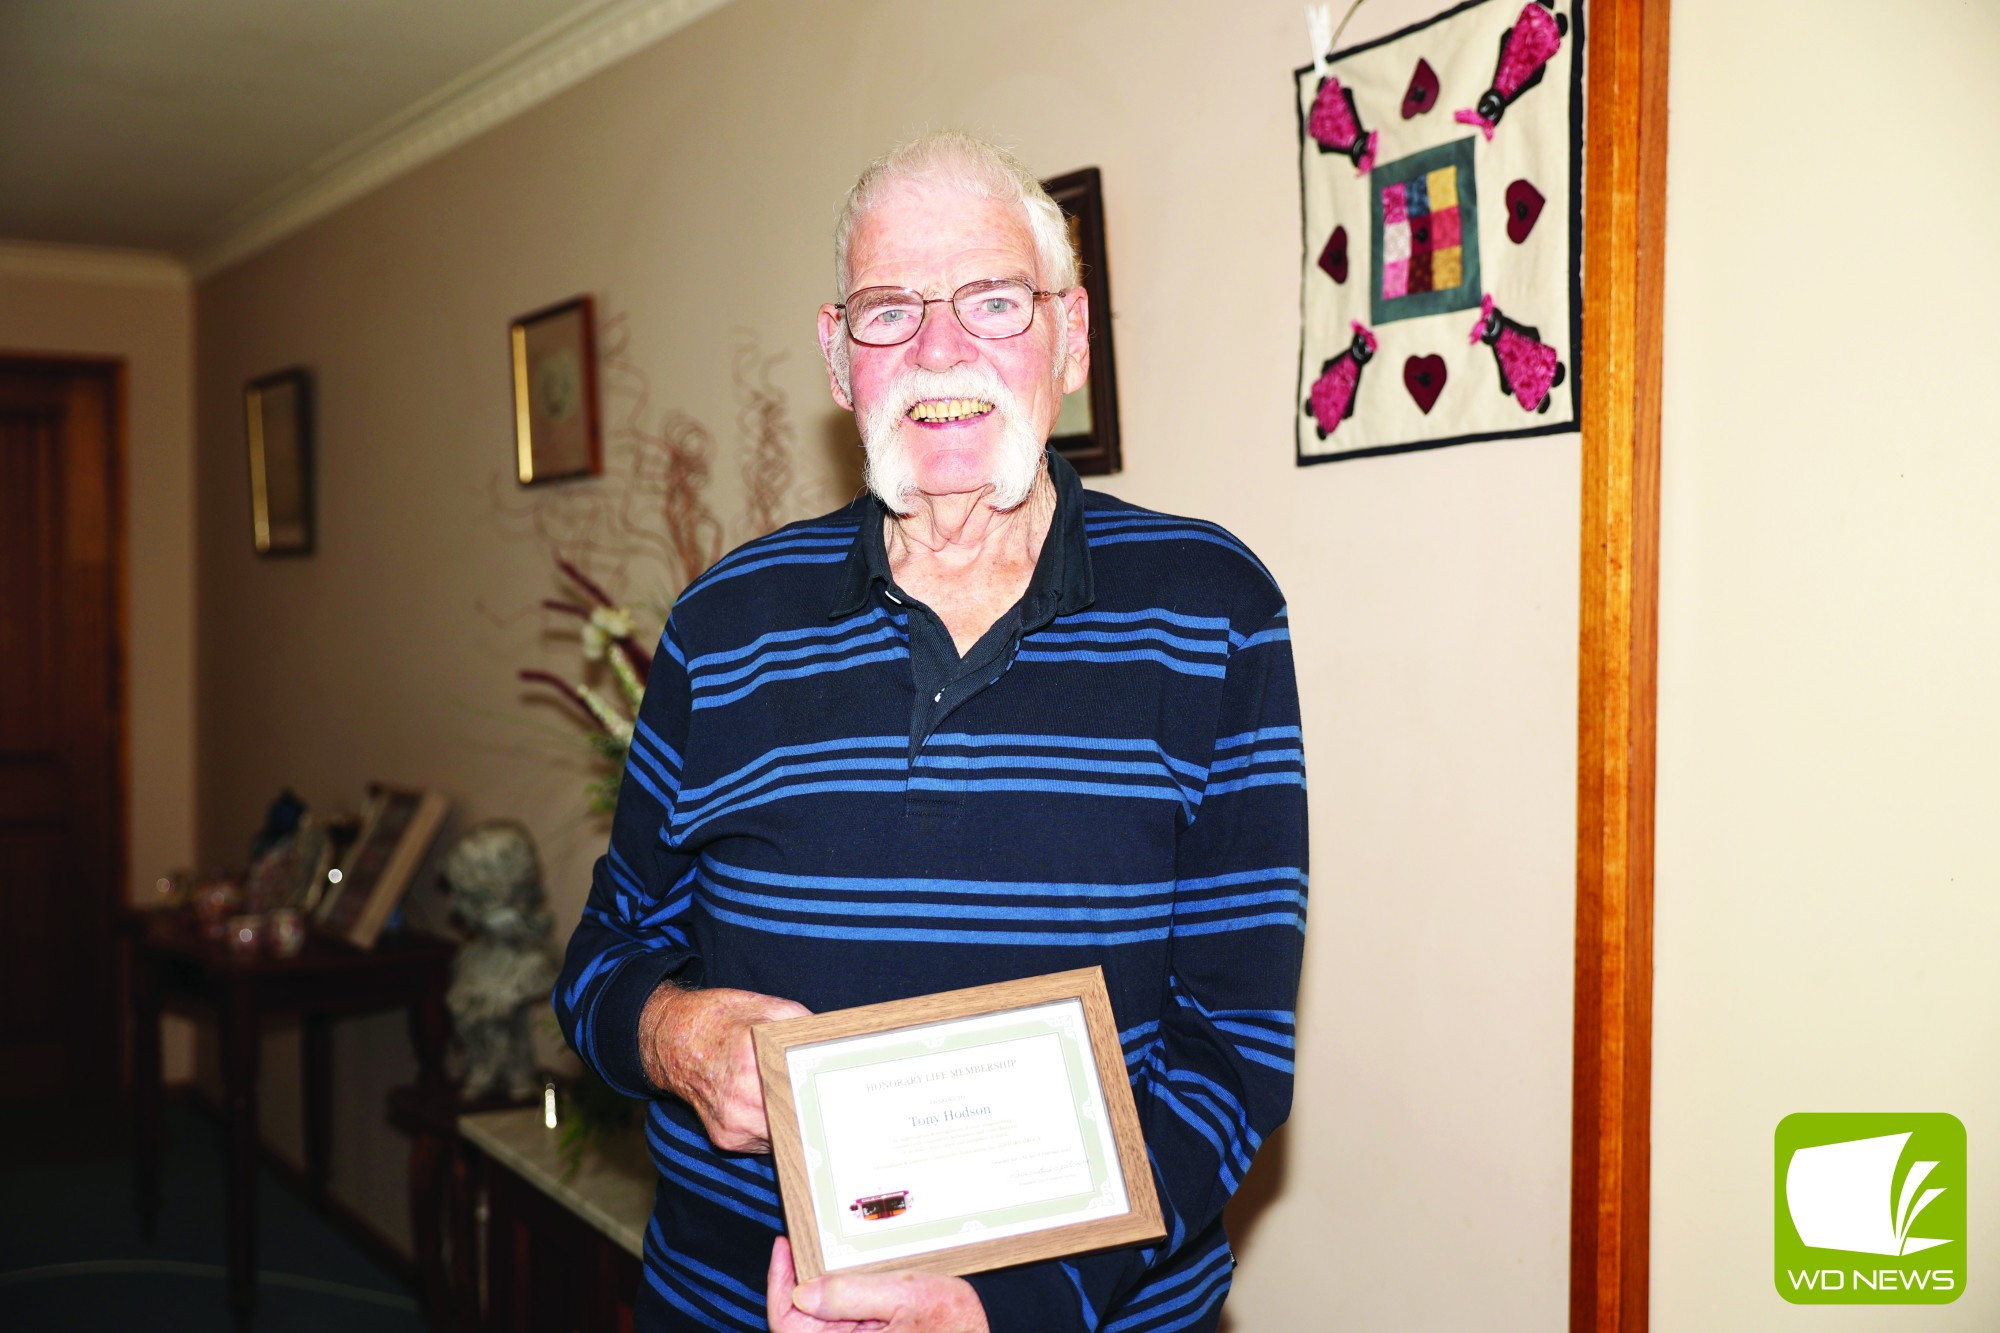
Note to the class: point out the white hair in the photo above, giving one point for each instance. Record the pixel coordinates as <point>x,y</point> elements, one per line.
<point>965,162</point>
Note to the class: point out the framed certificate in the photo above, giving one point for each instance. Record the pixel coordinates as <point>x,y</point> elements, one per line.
<point>957,1132</point>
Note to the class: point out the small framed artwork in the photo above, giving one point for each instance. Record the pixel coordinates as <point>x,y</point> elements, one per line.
<point>277,412</point>
<point>397,830</point>
<point>555,393</point>
<point>1087,431</point>
<point>957,1132</point>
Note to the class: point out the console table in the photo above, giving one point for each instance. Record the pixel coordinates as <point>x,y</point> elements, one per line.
<point>175,967</point>
<point>562,1249</point>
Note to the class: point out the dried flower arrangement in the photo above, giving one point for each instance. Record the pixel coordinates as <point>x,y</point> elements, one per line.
<point>655,521</point>
<point>607,637</point>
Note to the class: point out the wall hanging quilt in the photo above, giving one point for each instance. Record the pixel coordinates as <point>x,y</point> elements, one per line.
<point>1440,175</point>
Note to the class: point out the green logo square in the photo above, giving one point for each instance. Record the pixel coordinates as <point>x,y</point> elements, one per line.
<point>1870,1208</point>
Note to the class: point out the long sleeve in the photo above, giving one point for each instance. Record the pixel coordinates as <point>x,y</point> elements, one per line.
<point>1212,1076</point>
<point>631,937</point>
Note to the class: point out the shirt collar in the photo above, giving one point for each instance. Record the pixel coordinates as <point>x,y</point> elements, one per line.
<point>1062,582</point>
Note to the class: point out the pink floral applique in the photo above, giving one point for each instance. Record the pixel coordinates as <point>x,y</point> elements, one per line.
<point>1336,126</point>
<point>1331,400</point>
<point>1525,53</point>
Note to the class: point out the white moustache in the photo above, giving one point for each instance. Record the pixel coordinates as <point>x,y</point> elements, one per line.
<point>969,381</point>
<point>891,465</point>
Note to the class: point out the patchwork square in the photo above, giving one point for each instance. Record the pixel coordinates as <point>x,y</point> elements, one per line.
<point>1396,242</point>
<point>1446,269</point>
<point>1425,234</point>
<point>1396,278</point>
<point>1442,187</point>
<point>1419,195</point>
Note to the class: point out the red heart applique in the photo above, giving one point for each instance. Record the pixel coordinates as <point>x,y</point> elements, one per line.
<point>1424,377</point>
<point>1423,91</point>
<point>1334,257</point>
<point>1524,205</point>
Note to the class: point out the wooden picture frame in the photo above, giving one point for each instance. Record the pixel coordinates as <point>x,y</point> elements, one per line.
<point>554,376</point>
<point>278,422</point>
<point>915,1036</point>
<point>397,830</point>
<point>1087,432</point>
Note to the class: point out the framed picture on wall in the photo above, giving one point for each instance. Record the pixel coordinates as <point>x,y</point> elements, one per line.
<point>277,411</point>
<point>397,830</point>
<point>555,393</point>
<point>1087,431</point>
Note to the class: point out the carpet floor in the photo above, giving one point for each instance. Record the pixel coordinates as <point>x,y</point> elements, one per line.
<point>71,1259</point>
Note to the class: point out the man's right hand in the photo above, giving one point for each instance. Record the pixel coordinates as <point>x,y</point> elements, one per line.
<point>696,1045</point>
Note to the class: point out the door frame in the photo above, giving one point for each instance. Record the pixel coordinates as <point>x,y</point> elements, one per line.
<point>1625,183</point>
<point>112,370</point>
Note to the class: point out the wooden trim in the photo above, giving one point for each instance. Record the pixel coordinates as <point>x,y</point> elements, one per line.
<point>1623,267</point>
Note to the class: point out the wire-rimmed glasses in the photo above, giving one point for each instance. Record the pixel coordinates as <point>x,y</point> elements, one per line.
<point>985,308</point>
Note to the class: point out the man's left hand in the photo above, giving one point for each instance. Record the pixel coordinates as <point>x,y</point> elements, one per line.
<point>864,1302</point>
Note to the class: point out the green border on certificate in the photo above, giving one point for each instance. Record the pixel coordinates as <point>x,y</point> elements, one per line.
<point>1061,1022</point>
<point>957,1132</point>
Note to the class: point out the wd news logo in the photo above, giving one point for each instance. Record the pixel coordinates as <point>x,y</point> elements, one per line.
<point>1870,1209</point>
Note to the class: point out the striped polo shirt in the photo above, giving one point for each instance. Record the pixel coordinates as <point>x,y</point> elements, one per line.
<point>821,805</point>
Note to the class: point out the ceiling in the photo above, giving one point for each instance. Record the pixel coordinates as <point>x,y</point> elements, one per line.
<point>165,124</point>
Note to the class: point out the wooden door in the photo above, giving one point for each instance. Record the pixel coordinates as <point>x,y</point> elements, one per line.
<point>61,732</point>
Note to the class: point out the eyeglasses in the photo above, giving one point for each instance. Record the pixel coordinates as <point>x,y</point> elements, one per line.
<point>987,308</point>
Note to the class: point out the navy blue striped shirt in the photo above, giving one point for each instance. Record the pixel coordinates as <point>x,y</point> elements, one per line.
<point>1122,784</point>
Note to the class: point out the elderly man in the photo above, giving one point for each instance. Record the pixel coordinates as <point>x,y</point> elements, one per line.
<point>980,724</point>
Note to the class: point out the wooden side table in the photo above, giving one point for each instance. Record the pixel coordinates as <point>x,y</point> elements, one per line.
<point>562,1249</point>
<point>440,1192</point>
<point>174,967</point>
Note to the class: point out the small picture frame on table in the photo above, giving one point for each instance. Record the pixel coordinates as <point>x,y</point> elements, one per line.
<point>1086,433</point>
<point>397,830</point>
<point>277,413</point>
<point>554,358</point>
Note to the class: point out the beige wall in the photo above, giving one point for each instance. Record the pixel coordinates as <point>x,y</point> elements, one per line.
<point>138,310</point>
<point>1827,907</point>
<point>692,188</point>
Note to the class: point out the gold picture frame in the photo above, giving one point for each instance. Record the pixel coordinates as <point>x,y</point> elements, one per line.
<point>1040,1056</point>
<point>277,417</point>
<point>554,375</point>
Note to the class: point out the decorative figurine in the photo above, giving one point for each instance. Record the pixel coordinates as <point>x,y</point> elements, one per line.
<point>285,935</point>
<point>215,899</point>
<point>281,821</point>
<point>505,971</point>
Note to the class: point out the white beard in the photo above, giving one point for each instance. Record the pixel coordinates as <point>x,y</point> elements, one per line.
<point>892,469</point>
